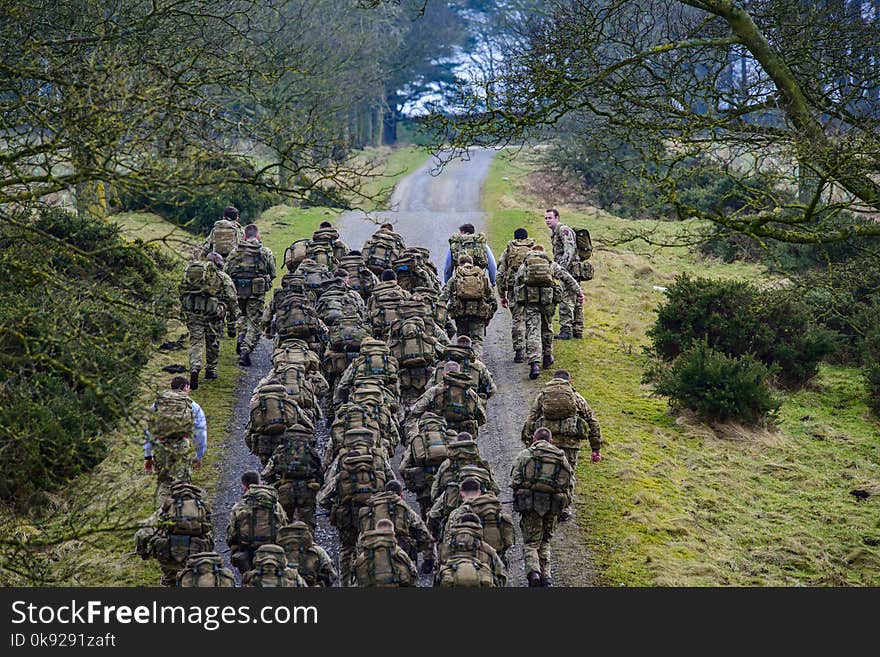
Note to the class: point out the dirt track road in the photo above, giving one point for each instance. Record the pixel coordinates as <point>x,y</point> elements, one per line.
<point>426,210</point>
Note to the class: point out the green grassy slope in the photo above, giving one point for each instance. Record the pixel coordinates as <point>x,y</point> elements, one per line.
<point>679,503</point>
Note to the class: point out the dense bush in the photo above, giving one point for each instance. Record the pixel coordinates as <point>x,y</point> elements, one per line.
<point>717,386</point>
<point>80,307</point>
<point>221,181</point>
<point>736,318</point>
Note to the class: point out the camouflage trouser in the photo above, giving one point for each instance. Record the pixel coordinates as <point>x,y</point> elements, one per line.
<point>572,453</point>
<point>536,532</point>
<point>571,315</point>
<point>348,536</point>
<point>539,331</point>
<point>248,325</point>
<point>204,335</point>
<point>171,461</point>
<point>299,503</point>
<point>169,574</point>
<point>473,327</point>
<point>517,324</point>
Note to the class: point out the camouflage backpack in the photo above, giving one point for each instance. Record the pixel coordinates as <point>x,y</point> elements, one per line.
<point>348,333</point>
<point>255,522</point>
<point>360,278</point>
<point>449,486</point>
<point>375,361</point>
<point>453,401</point>
<point>333,305</point>
<point>428,447</point>
<point>271,570</point>
<point>225,236</point>
<point>558,400</point>
<point>408,269</point>
<point>497,526</point>
<point>199,289</point>
<point>295,317</point>
<point>296,459</point>
<point>381,562</point>
<point>472,244</point>
<point>296,384</point>
<point>516,253</point>
<point>247,266</point>
<point>360,477</point>
<point>295,351</point>
<point>470,283</point>
<point>349,416</point>
<point>464,559</point>
<point>295,254</point>
<point>298,543</point>
<point>171,415</point>
<point>411,346</point>
<point>336,362</point>
<point>314,275</point>
<point>464,571</point>
<point>547,471</point>
<point>382,249</point>
<point>386,299</point>
<point>272,410</point>
<point>537,270</point>
<point>184,512</point>
<point>384,506</point>
<point>322,253</point>
<point>205,569</point>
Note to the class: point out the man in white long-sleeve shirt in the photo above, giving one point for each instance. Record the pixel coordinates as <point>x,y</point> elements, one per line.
<point>177,423</point>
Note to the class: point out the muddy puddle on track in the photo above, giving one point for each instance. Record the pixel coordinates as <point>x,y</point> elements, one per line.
<point>427,210</point>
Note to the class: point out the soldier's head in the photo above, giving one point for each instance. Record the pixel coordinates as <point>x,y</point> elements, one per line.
<point>230,213</point>
<point>565,375</point>
<point>466,229</point>
<point>542,433</point>
<point>251,232</point>
<point>551,217</point>
<point>355,252</point>
<point>463,436</point>
<point>394,486</point>
<point>538,247</point>
<point>388,275</point>
<point>464,341</point>
<point>470,488</point>
<point>465,259</point>
<point>451,367</point>
<point>325,224</point>
<point>385,526</point>
<point>249,478</point>
<point>520,234</point>
<point>386,226</point>
<point>180,383</point>
<point>215,258</point>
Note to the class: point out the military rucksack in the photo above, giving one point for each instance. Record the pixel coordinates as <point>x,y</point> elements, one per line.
<point>428,447</point>
<point>386,299</point>
<point>295,317</point>
<point>360,278</point>
<point>547,471</point>
<point>470,283</point>
<point>516,253</point>
<point>537,271</point>
<point>298,543</point>
<point>411,345</point>
<point>472,244</point>
<point>384,506</point>
<point>171,415</point>
<point>175,549</point>
<point>453,401</point>
<point>295,351</point>
<point>381,562</point>
<point>360,477</point>
<point>497,526</point>
<point>296,384</point>
<point>248,267</point>
<point>465,539</point>
<point>558,400</point>
<point>225,236</point>
<point>375,361</point>
<point>184,512</point>
<point>408,269</point>
<point>464,571</point>
<point>271,570</point>
<point>321,252</point>
<point>296,459</point>
<point>333,305</point>
<point>584,243</point>
<point>255,522</point>
<point>383,248</point>
<point>295,254</point>
<point>448,487</point>
<point>205,569</point>
<point>272,410</point>
<point>348,333</point>
<point>349,416</point>
<point>199,288</point>
<point>315,276</point>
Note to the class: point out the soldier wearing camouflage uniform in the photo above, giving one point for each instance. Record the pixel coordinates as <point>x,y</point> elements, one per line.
<point>463,353</point>
<point>256,500</point>
<point>295,470</point>
<point>540,500</point>
<point>251,284</point>
<point>471,316</point>
<point>203,312</point>
<point>310,559</point>
<point>225,234</point>
<point>433,400</point>
<point>510,261</point>
<point>571,306</point>
<point>169,455</point>
<point>539,304</point>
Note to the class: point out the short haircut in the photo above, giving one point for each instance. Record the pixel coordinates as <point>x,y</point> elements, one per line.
<point>465,259</point>
<point>565,375</point>
<point>216,258</point>
<point>520,234</point>
<point>470,485</point>
<point>178,382</point>
<point>325,224</point>
<point>251,231</point>
<point>554,211</point>
<point>448,366</point>
<point>394,486</point>
<point>387,226</point>
<point>538,247</point>
<point>463,436</point>
<point>250,477</point>
<point>385,525</point>
<point>471,517</point>
<point>388,275</point>
<point>543,433</point>
<point>354,252</point>
<point>466,228</point>
<point>230,212</point>
<point>464,341</point>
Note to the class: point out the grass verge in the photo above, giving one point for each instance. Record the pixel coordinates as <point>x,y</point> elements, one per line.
<point>679,503</point>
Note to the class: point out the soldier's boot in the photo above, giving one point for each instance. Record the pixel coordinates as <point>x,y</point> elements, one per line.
<point>193,380</point>
<point>519,356</point>
<point>563,335</point>
<point>238,344</point>
<point>566,514</point>
<point>546,580</point>
<point>210,374</point>
<point>245,359</point>
<point>535,371</point>
<point>534,578</point>
<point>577,335</point>
<point>548,361</point>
